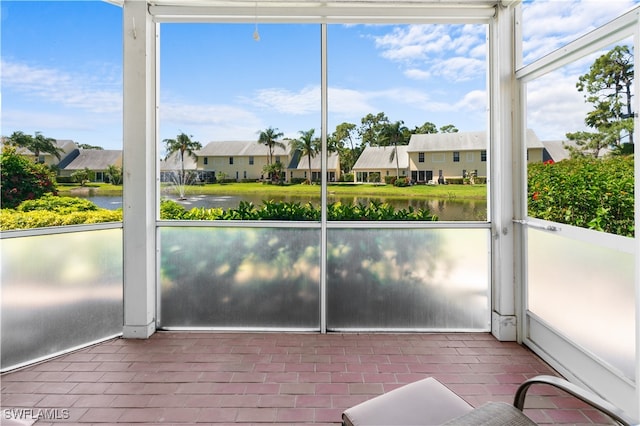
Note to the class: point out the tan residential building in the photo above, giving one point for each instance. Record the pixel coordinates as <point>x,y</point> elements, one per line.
<point>299,167</point>
<point>376,162</point>
<point>239,160</point>
<point>438,157</point>
<point>96,160</point>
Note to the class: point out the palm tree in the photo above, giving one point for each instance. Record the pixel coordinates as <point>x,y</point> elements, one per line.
<point>269,138</point>
<point>394,134</point>
<point>182,144</point>
<point>307,145</point>
<point>38,144</point>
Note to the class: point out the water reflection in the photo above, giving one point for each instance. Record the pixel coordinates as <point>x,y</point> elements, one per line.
<point>445,209</point>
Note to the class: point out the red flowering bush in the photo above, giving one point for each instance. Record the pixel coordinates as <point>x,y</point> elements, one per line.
<point>22,179</point>
<point>585,192</point>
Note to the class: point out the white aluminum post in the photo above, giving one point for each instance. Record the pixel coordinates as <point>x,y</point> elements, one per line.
<point>502,173</point>
<point>139,170</point>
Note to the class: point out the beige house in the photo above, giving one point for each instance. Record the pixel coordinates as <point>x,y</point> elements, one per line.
<point>239,160</point>
<point>375,163</point>
<point>438,157</point>
<point>96,160</point>
<point>299,167</point>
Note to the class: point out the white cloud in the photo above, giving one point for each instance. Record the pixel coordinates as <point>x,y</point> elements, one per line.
<point>454,52</point>
<point>549,24</point>
<point>417,74</point>
<point>207,122</point>
<point>93,93</point>
<point>304,101</point>
<point>554,106</point>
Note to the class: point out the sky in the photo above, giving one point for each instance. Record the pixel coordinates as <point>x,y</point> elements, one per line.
<point>61,73</point>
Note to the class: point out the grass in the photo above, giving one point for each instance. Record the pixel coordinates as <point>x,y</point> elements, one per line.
<point>468,192</point>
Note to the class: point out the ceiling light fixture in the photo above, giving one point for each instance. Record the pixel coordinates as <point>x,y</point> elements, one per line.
<point>256,34</point>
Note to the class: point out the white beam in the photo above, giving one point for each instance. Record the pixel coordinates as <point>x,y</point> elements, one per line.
<point>139,171</point>
<point>503,172</point>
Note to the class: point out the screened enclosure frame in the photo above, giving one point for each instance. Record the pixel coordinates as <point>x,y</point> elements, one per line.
<point>142,33</point>
<point>576,359</point>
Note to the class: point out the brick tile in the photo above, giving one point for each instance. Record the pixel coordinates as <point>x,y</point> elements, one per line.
<point>99,401</point>
<point>131,401</point>
<point>180,415</point>
<point>277,401</point>
<point>250,378</point>
<point>298,388</point>
<point>332,415</point>
<point>60,400</point>
<point>217,415</point>
<point>366,388</point>
<point>258,415</point>
<point>313,401</point>
<point>332,389</point>
<point>102,415</point>
<point>295,415</point>
<point>20,399</point>
<point>139,415</point>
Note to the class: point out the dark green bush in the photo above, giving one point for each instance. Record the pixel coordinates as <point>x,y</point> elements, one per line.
<point>56,204</point>
<point>585,192</point>
<point>270,210</point>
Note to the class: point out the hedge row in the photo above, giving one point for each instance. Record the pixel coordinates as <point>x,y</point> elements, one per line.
<point>589,193</point>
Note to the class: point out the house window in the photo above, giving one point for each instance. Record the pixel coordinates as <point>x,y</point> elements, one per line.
<point>483,155</point>
<point>245,174</point>
<point>456,156</point>
<point>251,161</point>
<point>230,160</point>
<point>277,158</point>
<point>206,160</point>
<point>421,157</point>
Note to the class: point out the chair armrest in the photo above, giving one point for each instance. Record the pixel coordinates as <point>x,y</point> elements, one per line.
<point>584,395</point>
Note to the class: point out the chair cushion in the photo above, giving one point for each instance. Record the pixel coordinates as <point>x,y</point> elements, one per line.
<point>425,402</point>
<point>493,414</point>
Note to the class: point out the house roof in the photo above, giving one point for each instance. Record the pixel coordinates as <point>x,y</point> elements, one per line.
<point>66,145</point>
<point>172,162</point>
<point>460,141</point>
<point>379,157</point>
<point>96,159</point>
<point>557,151</point>
<point>303,162</point>
<point>240,148</point>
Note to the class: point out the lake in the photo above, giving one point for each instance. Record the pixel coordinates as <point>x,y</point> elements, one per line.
<point>445,209</point>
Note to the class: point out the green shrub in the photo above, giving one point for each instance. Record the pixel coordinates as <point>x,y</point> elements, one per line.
<point>585,192</point>
<point>272,210</point>
<point>401,182</point>
<point>54,203</point>
<point>14,219</point>
<point>347,177</point>
<point>21,179</point>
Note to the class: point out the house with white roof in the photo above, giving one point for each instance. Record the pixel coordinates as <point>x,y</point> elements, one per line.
<point>96,160</point>
<point>376,162</point>
<point>440,156</point>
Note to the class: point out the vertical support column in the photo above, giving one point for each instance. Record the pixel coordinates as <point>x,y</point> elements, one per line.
<point>504,171</point>
<point>324,137</point>
<point>139,171</point>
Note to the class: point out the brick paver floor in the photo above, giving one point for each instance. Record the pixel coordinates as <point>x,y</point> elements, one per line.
<point>275,378</point>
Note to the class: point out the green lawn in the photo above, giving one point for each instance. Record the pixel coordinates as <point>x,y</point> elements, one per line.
<point>469,192</point>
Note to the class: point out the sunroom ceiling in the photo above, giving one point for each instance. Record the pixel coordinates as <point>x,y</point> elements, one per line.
<point>325,11</point>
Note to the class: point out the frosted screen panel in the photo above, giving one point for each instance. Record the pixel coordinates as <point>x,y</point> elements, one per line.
<point>586,292</point>
<point>58,292</point>
<point>240,277</point>
<point>408,279</point>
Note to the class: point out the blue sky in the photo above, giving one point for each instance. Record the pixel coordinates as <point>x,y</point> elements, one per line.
<point>62,73</point>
